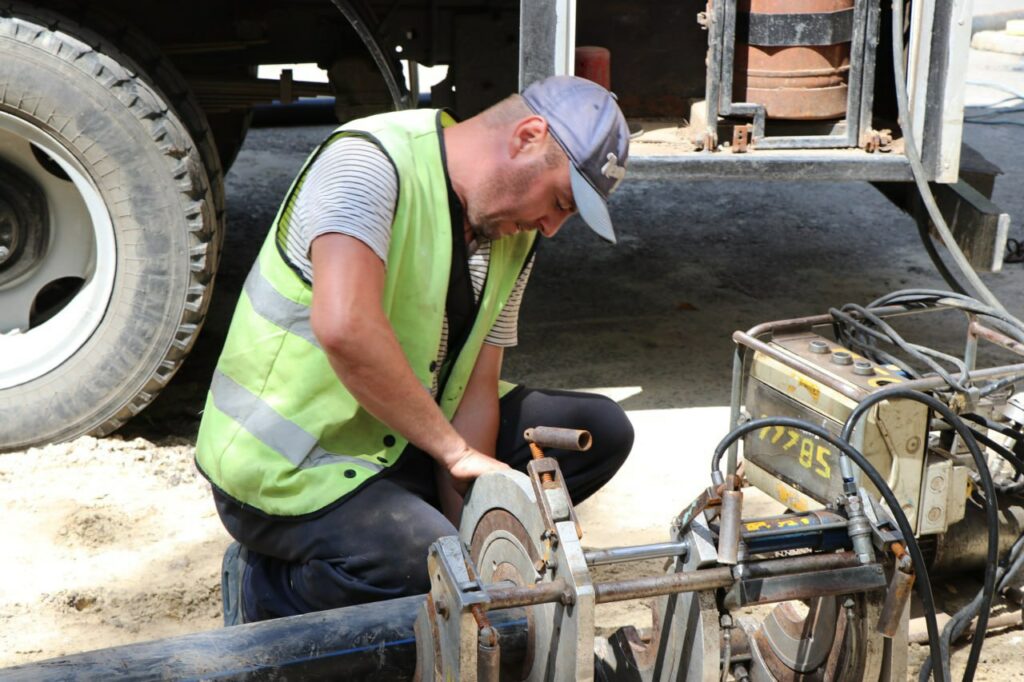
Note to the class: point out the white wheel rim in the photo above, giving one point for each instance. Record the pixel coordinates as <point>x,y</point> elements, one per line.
<point>81,245</point>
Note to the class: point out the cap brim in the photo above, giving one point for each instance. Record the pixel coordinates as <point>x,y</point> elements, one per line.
<point>591,206</point>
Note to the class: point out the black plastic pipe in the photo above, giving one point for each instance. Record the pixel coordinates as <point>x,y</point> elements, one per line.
<point>367,642</point>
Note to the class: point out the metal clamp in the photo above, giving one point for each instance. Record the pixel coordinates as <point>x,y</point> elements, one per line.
<point>456,601</point>
<point>552,495</point>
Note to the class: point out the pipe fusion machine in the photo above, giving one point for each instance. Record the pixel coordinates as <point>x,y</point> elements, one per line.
<point>895,461</point>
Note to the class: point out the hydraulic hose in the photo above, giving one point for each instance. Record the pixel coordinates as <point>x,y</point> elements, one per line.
<point>917,170</point>
<point>922,585</point>
<point>991,510</point>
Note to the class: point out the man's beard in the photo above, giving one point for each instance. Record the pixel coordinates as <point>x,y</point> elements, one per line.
<point>489,230</point>
<point>514,183</point>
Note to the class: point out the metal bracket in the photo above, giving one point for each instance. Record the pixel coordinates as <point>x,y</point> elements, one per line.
<point>454,591</point>
<point>786,587</point>
<point>552,495</point>
<point>741,135</point>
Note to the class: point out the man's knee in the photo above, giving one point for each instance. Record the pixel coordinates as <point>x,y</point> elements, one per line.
<point>612,431</point>
<point>612,434</point>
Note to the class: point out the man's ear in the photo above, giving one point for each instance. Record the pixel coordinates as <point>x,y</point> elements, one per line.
<point>529,136</point>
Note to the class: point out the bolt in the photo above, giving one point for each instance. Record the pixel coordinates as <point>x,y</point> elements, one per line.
<point>938,484</point>
<point>441,606</point>
<point>934,514</point>
<point>863,368</point>
<point>487,636</point>
<point>841,357</point>
<point>818,346</point>
<point>913,443</point>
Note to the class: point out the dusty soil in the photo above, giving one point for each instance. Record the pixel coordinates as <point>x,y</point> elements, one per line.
<point>106,542</point>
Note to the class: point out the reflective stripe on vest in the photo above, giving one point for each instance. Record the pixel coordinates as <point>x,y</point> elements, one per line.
<point>276,432</point>
<point>269,304</point>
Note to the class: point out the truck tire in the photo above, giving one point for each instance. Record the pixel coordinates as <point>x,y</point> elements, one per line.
<point>109,233</point>
<point>109,33</point>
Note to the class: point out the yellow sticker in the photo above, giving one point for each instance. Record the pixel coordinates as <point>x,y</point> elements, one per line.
<point>794,501</point>
<point>811,388</point>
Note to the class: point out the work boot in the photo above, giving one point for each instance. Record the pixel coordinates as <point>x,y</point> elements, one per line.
<point>232,577</point>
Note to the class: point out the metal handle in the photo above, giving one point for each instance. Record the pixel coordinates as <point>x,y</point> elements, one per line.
<point>562,439</point>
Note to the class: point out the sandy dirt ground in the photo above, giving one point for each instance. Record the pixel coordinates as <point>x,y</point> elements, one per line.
<point>125,547</point>
<point>108,542</point>
<point>115,540</point>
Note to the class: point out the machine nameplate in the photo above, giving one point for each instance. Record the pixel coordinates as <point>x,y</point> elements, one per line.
<point>800,459</point>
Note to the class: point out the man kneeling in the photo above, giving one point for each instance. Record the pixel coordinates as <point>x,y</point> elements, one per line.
<point>358,392</point>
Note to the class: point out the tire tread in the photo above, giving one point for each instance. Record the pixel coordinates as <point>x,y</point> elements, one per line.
<point>169,112</point>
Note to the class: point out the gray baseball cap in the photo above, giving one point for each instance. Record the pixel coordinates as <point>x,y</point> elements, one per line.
<point>587,123</point>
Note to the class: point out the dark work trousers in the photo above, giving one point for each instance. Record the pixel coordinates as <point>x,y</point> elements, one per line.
<point>374,545</point>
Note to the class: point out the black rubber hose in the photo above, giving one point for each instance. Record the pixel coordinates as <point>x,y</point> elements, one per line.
<point>933,254</point>
<point>960,301</point>
<point>884,332</point>
<point>1018,449</point>
<point>991,510</point>
<point>1014,460</point>
<point>923,584</point>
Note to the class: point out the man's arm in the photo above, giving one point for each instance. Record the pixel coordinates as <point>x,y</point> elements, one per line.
<point>476,420</point>
<point>349,322</point>
<point>477,416</point>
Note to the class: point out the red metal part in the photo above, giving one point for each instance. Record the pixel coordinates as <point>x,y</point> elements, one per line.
<point>594,63</point>
<point>797,82</point>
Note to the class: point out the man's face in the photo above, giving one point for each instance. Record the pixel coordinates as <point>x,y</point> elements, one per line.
<point>533,192</point>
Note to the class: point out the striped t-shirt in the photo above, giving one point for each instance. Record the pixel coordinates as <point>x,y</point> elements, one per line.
<point>352,189</point>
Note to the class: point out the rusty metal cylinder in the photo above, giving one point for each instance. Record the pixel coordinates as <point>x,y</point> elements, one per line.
<point>562,439</point>
<point>594,64</point>
<point>729,526</point>
<point>900,588</point>
<point>793,57</point>
<point>488,657</point>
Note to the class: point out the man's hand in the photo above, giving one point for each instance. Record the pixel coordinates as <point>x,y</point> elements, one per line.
<point>469,466</point>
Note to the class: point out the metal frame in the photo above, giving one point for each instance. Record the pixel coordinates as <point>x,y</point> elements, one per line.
<point>775,164</point>
<point>942,123</point>
<point>751,341</point>
<point>860,94</point>
<point>936,83</point>
<point>547,39</point>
